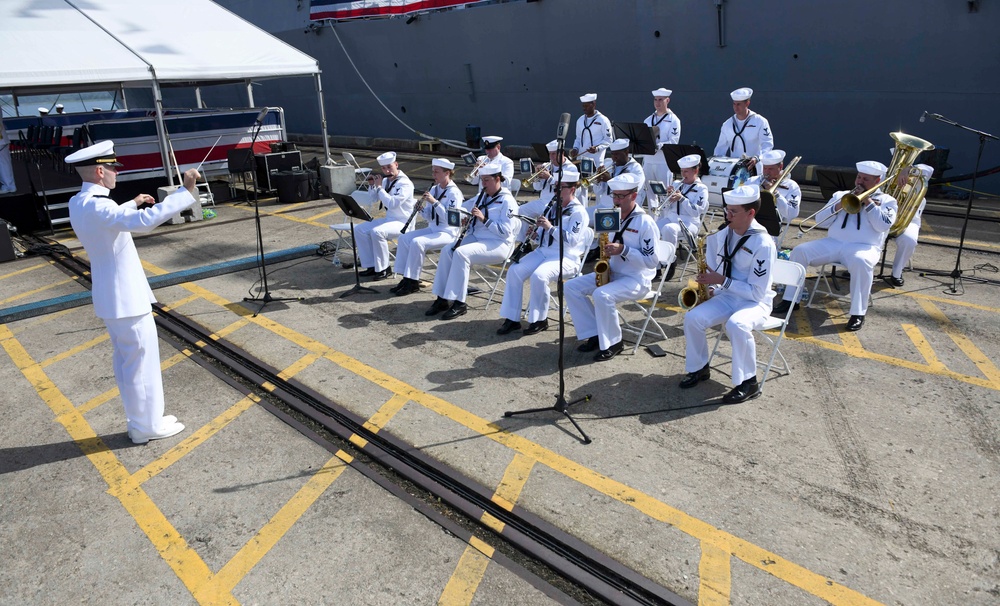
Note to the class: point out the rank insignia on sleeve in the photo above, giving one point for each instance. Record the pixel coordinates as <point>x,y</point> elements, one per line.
<point>576,228</point>
<point>760,271</point>
<point>648,249</point>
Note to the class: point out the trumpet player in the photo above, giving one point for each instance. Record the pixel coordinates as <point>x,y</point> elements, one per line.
<point>395,193</point>
<point>906,242</point>
<point>488,238</point>
<point>414,245</point>
<point>545,183</point>
<point>746,133</point>
<point>739,257</point>
<point>788,194</point>
<point>632,255</point>
<point>492,155</point>
<point>667,130</point>
<point>543,264</point>
<point>853,241</point>
<point>686,202</point>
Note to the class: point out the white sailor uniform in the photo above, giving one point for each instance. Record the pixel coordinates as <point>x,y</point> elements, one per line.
<point>542,265</point>
<point>7,185</point>
<point>603,193</point>
<point>593,132</point>
<point>688,210</point>
<point>742,302</point>
<point>751,137</point>
<point>786,199</point>
<point>547,190</point>
<point>906,243</point>
<point>631,274</point>
<point>853,241</point>
<point>655,165</point>
<point>506,168</point>
<point>484,243</point>
<point>372,238</point>
<point>412,246</point>
<point>121,293</point>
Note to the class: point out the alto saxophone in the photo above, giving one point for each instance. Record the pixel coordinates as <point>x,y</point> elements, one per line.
<point>695,293</point>
<point>602,269</point>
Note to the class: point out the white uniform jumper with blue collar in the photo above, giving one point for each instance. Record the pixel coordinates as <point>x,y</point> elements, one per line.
<point>688,210</point>
<point>655,166</point>
<point>546,189</point>
<point>484,243</point>
<point>603,193</point>
<point>751,137</point>
<point>542,265</point>
<point>631,274</point>
<point>742,302</point>
<point>787,198</point>
<point>592,132</point>
<point>412,246</point>
<point>506,168</point>
<point>372,238</point>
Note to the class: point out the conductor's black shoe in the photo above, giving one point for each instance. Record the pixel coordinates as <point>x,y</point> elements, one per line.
<point>894,281</point>
<point>592,255</point>
<point>508,327</point>
<point>457,309</point>
<point>367,273</point>
<point>382,275</point>
<point>782,308</point>
<point>671,270</point>
<point>855,323</point>
<point>747,390</point>
<point>693,378</point>
<point>437,307</point>
<point>606,354</point>
<point>536,327</point>
<point>590,344</point>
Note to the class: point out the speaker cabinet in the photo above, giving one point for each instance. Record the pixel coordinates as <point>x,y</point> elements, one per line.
<point>269,165</point>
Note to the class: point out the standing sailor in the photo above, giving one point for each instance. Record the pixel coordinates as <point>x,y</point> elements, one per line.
<point>395,193</point>
<point>415,243</point>
<point>667,131</point>
<point>120,291</point>
<point>493,155</point>
<point>746,133</point>
<point>593,135</point>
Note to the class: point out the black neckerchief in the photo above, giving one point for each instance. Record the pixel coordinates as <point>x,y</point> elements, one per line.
<point>555,217</point>
<point>727,257</point>
<point>847,216</point>
<point>437,219</point>
<point>655,122</point>
<point>625,223</point>
<point>738,134</point>
<point>389,187</point>
<point>586,128</point>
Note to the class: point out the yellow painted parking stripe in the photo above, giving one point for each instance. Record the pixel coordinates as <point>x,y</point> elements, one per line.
<point>715,574</point>
<point>96,401</point>
<point>268,536</point>
<point>925,349</point>
<point>298,366</point>
<point>181,302</point>
<point>24,325</point>
<point>952,301</point>
<point>228,330</point>
<point>462,585</point>
<point>194,440</point>
<point>507,493</point>
<point>25,270</point>
<point>38,290</point>
<point>324,214</point>
<point>184,561</point>
<point>74,351</point>
<point>978,358</point>
<point>850,340</point>
<point>281,215</point>
<point>386,413</point>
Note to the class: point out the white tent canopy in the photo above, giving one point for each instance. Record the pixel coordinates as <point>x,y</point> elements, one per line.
<point>99,44</point>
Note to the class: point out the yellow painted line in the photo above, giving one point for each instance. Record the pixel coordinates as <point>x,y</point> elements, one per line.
<point>982,362</point>
<point>181,302</point>
<point>281,215</point>
<point>852,344</point>
<point>514,479</point>
<point>28,324</point>
<point>268,386</point>
<point>228,330</point>
<point>754,555</point>
<point>38,290</point>
<point>952,301</point>
<point>194,440</point>
<point>357,440</point>
<point>113,392</point>
<point>268,536</point>
<point>715,574</point>
<point>924,347</point>
<point>298,366</point>
<point>386,413</point>
<point>462,585</point>
<point>25,270</point>
<point>324,214</point>
<point>72,352</point>
<point>184,561</point>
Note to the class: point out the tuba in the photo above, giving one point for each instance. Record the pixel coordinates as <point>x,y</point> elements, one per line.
<point>910,191</point>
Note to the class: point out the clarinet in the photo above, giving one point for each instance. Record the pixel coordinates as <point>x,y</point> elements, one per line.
<point>465,230</point>
<point>417,207</point>
<point>525,247</point>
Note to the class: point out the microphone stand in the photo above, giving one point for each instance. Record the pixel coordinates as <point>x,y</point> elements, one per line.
<point>561,406</point>
<point>956,274</point>
<point>261,266</point>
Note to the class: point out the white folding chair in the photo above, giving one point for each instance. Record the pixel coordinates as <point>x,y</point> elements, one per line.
<point>666,256</point>
<point>792,275</point>
<point>343,230</point>
<point>360,174</point>
<point>690,244</point>
<point>515,187</point>
<point>824,286</point>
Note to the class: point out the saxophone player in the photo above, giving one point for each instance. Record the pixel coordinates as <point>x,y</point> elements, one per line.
<point>739,258</point>
<point>632,256</point>
<point>621,163</point>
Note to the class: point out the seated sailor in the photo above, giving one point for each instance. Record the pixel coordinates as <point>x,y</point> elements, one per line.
<point>371,239</point>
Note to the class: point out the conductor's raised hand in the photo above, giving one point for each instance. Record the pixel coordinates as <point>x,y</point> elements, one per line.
<point>191,177</point>
<point>144,201</point>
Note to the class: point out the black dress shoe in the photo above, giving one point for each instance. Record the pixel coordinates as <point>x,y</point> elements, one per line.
<point>670,271</point>
<point>402,284</point>
<point>894,281</point>
<point>536,327</point>
<point>457,309</point>
<point>409,288</point>
<point>693,378</point>
<point>747,390</point>
<point>382,275</point>
<point>659,274</point>
<point>855,323</point>
<point>508,327</point>
<point>606,354</point>
<point>367,273</point>
<point>782,308</point>
<point>590,344</point>
<point>437,307</point>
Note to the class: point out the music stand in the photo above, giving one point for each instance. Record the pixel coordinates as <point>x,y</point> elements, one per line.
<point>672,152</point>
<point>541,152</point>
<point>351,208</point>
<point>639,134</point>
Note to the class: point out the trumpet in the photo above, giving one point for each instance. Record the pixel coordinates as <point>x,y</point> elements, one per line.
<point>587,181</point>
<point>475,170</point>
<point>528,181</point>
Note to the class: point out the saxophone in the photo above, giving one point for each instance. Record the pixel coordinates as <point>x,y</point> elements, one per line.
<point>602,269</point>
<point>694,293</point>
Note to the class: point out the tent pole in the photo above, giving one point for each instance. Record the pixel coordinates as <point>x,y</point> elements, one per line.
<point>161,128</point>
<point>250,93</point>
<point>322,118</point>
<point>197,98</point>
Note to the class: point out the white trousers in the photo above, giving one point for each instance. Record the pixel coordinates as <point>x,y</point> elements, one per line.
<point>413,246</point>
<point>540,270</point>
<point>741,316</point>
<point>452,279</point>
<point>531,209</point>
<point>137,370</point>
<point>655,168</point>
<point>600,317</point>
<point>6,169</point>
<point>371,239</point>
<point>906,243</point>
<point>670,228</point>
<point>858,257</point>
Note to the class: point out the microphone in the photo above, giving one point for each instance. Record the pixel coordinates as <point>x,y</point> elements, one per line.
<point>923,118</point>
<point>563,128</point>
<point>263,114</point>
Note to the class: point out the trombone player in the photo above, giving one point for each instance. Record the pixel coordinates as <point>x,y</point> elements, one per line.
<point>854,240</point>
<point>788,193</point>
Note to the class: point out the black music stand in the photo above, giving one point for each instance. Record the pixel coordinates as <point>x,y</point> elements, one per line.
<point>561,406</point>
<point>672,152</point>
<point>639,134</point>
<point>541,152</point>
<point>351,208</point>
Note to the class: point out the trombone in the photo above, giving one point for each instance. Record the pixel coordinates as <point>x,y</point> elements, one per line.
<point>852,202</point>
<point>528,181</point>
